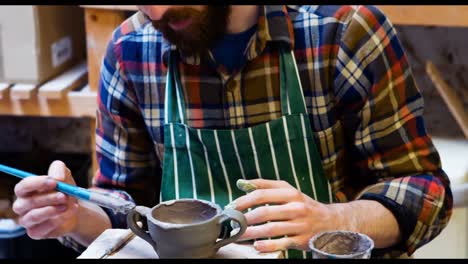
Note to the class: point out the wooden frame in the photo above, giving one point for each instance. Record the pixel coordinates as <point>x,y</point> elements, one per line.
<point>99,23</point>
<point>427,15</point>
<point>453,102</point>
<point>422,15</point>
<point>112,7</point>
<point>56,97</point>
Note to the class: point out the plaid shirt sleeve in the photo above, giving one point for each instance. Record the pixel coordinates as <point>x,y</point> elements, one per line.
<point>389,141</point>
<point>128,165</point>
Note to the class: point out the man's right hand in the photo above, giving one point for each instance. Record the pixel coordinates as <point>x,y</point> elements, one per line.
<point>44,212</point>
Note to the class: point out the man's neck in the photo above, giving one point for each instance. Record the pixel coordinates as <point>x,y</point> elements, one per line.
<point>242,18</point>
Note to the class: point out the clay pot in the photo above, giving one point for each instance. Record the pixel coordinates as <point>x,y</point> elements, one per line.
<point>185,228</point>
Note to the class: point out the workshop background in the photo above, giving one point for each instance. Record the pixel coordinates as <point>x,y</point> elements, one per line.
<point>49,70</point>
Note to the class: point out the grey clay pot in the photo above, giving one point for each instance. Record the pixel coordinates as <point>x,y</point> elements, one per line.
<point>185,228</point>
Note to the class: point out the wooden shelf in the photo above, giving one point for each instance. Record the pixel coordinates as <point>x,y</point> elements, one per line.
<point>57,97</point>
<point>75,104</point>
<point>427,15</point>
<point>112,7</point>
<point>422,15</point>
<point>99,24</point>
<point>451,99</point>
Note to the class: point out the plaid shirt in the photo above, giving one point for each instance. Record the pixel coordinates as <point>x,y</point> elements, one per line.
<point>364,106</point>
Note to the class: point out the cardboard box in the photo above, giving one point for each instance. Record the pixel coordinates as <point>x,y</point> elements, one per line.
<point>39,42</point>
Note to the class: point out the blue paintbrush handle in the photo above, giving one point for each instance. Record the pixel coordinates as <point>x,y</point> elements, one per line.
<point>15,172</point>
<point>71,190</point>
<point>74,191</point>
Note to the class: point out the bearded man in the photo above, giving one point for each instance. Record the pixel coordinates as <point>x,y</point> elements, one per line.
<point>315,106</point>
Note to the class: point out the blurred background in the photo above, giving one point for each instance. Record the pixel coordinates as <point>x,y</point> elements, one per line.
<point>49,72</point>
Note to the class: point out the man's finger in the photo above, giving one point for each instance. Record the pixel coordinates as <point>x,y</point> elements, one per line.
<point>29,185</point>
<point>41,230</point>
<point>39,215</point>
<point>271,245</point>
<point>269,184</point>
<point>23,205</point>
<point>283,212</point>
<point>59,220</point>
<point>272,229</point>
<point>59,171</point>
<point>267,196</point>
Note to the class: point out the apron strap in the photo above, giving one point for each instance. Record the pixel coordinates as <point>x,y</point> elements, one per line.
<point>292,97</point>
<point>174,104</point>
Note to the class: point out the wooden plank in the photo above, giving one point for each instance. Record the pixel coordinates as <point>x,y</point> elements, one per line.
<point>427,15</point>
<point>83,101</point>
<point>69,80</point>
<point>446,15</point>
<point>4,89</point>
<point>99,23</point>
<point>22,91</point>
<point>436,15</point>
<point>75,104</point>
<point>85,96</point>
<point>451,99</point>
<point>113,7</point>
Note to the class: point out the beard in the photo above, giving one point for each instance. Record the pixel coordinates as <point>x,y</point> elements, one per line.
<point>206,27</point>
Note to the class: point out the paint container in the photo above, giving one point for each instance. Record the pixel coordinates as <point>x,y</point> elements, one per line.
<point>341,245</point>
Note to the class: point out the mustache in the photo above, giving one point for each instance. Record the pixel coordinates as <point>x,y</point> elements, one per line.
<point>208,25</point>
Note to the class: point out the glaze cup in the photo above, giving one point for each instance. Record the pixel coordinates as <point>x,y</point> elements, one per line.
<point>341,245</point>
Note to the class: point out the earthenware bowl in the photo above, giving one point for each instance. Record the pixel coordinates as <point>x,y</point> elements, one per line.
<point>185,228</point>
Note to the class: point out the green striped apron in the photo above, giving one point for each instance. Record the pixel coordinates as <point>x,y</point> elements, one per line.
<point>205,164</point>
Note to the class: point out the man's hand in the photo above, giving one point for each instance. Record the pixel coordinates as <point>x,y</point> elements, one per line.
<point>299,217</point>
<point>44,212</point>
<point>290,213</point>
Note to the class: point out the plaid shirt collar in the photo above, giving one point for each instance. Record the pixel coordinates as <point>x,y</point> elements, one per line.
<point>273,24</point>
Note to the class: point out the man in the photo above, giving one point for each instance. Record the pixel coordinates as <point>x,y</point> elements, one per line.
<point>314,105</point>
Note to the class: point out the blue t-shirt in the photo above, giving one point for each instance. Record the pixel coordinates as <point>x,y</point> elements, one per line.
<point>229,51</point>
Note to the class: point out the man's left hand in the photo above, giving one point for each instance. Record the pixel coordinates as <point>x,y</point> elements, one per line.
<point>289,213</point>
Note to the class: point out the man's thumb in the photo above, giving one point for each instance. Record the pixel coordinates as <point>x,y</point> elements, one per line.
<point>59,171</point>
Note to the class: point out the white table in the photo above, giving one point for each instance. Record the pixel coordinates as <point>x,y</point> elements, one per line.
<point>134,247</point>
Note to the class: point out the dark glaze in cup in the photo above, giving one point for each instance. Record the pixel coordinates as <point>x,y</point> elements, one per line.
<point>185,228</point>
<point>341,245</point>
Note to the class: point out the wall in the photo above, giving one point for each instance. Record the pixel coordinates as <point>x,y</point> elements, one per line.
<point>446,48</point>
<point>31,143</point>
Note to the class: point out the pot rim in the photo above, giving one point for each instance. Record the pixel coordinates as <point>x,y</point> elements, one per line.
<point>166,225</point>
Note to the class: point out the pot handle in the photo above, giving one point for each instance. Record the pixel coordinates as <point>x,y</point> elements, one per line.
<point>231,214</point>
<point>135,215</point>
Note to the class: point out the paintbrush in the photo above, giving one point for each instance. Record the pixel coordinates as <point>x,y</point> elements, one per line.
<point>117,204</point>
